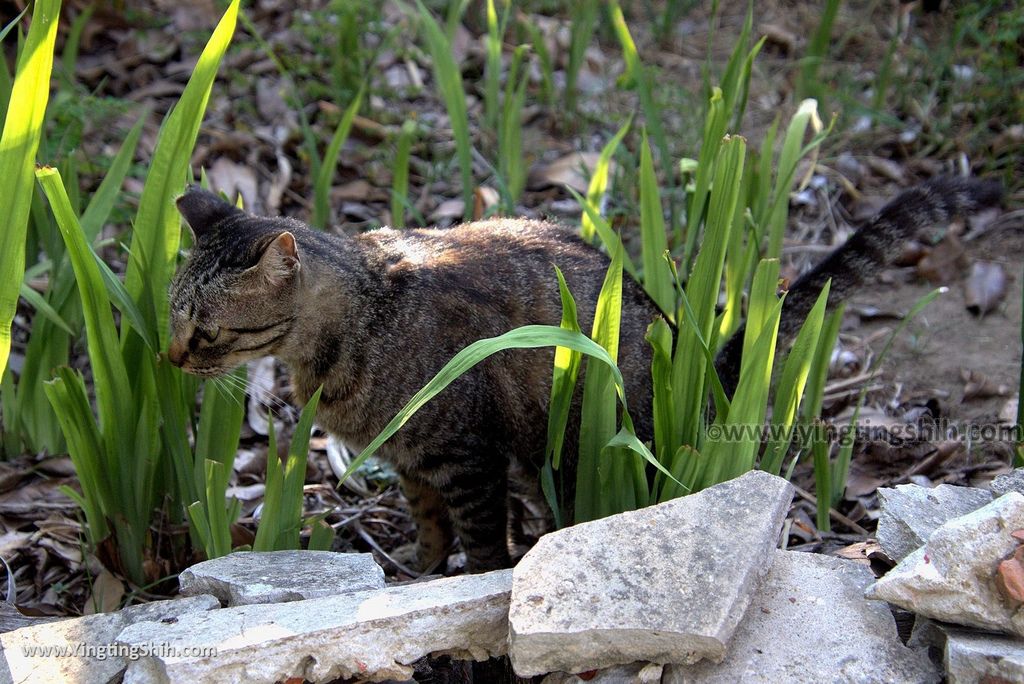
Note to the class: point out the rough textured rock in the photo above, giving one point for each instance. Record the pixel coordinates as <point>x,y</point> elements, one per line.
<point>91,640</point>
<point>634,673</point>
<point>668,583</point>
<point>809,622</point>
<point>973,657</point>
<point>1012,481</point>
<point>277,576</point>
<point>911,513</point>
<point>952,577</point>
<point>370,634</point>
<point>970,656</point>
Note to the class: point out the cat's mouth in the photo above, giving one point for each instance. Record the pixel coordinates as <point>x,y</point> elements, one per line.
<point>204,371</point>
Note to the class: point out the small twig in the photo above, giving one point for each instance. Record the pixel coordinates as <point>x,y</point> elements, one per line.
<point>832,513</point>
<point>365,536</point>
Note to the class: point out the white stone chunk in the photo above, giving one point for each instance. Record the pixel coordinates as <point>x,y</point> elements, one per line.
<point>667,583</point>
<point>277,576</point>
<point>976,657</point>
<point>374,635</point>
<point>810,622</point>
<point>84,649</point>
<point>953,577</point>
<point>1012,481</point>
<point>911,513</point>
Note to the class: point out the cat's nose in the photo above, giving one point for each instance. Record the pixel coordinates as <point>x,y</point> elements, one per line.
<point>177,353</point>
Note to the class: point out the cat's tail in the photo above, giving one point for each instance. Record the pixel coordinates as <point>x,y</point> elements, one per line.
<point>933,203</point>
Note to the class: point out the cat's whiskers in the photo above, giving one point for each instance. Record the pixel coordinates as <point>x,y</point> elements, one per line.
<point>275,404</point>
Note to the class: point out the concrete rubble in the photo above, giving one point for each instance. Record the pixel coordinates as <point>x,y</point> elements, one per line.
<point>246,577</point>
<point>910,514</point>
<point>84,648</point>
<point>1012,481</point>
<point>373,634</point>
<point>667,583</point>
<point>809,622</point>
<point>953,576</point>
<point>692,590</point>
<point>971,656</point>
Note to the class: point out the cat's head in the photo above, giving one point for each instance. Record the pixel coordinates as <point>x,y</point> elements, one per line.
<point>236,297</point>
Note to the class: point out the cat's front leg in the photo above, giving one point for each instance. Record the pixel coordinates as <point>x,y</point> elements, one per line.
<point>434,534</point>
<point>478,507</point>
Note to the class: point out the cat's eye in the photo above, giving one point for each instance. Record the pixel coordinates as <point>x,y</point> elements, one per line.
<point>206,335</point>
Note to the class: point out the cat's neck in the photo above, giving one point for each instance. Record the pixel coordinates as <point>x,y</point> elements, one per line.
<point>339,293</point>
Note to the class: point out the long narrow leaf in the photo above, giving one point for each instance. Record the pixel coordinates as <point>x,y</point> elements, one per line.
<point>22,129</point>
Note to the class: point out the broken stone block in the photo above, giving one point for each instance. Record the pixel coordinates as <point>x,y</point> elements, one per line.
<point>975,657</point>
<point>952,578</point>
<point>374,635</point>
<point>278,576</point>
<point>84,649</point>
<point>911,513</point>
<point>810,622</point>
<point>1012,481</point>
<point>970,656</point>
<point>634,673</point>
<point>667,583</point>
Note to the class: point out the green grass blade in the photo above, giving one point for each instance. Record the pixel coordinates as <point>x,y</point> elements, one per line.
<point>598,416</point>
<point>67,395</point>
<point>584,21</point>
<point>657,279</point>
<point>18,146</point>
<point>689,365</point>
<point>271,520</point>
<point>526,337</point>
<point>322,186</point>
<point>103,200</point>
<point>566,370</point>
<point>791,384</point>
<point>400,174</point>
<point>598,185</point>
<point>818,375</point>
<point>157,233</point>
<point>449,82</point>
<point>42,307</point>
<point>113,391</point>
<point>295,476</point>
<point>609,238</point>
<point>789,157</point>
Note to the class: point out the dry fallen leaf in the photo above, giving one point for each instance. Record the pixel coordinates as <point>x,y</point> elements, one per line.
<point>447,211</point>
<point>236,179</point>
<point>945,262</point>
<point>107,592</point>
<point>483,199</point>
<point>1008,414</point>
<point>859,552</point>
<point>985,287</point>
<point>573,170</point>
<point>1010,578</point>
<point>979,386</point>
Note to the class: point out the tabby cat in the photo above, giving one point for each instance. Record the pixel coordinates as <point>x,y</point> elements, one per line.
<point>373,317</point>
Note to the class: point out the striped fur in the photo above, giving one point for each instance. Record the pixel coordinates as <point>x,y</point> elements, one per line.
<point>372,318</point>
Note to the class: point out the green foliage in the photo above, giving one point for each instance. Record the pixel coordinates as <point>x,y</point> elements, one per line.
<point>327,166</point>
<point>400,174</point>
<point>18,145</point>
<point>449,82</point>
<point>809,82</point>
<point>281,521</point>
<point>144,406</point>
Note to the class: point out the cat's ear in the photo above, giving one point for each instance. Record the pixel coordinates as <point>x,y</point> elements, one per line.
<point>203,209</point>
<point>280,260</point>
